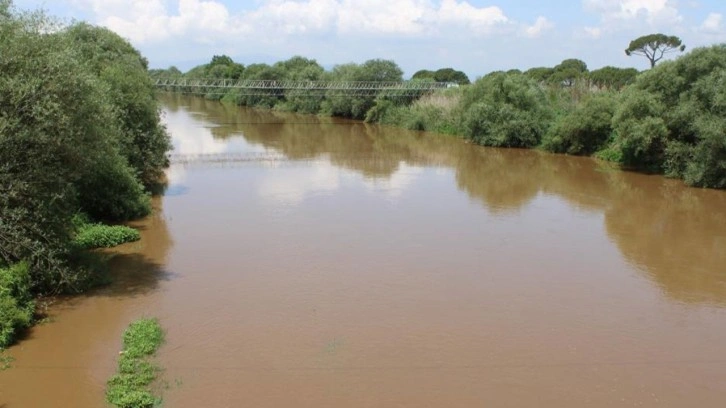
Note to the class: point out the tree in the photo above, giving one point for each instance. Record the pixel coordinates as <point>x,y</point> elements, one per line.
<point>423,74</point>
<point>443,75</point>
<point>612,77</point>
<point>654,47</point>
<point>451,75</point>
<point>79,129</point>
<point>143,139</point>
<point>568,71</point>
<point>540,74</point>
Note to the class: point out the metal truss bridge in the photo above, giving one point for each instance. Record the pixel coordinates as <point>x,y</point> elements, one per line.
<point>299,88</point>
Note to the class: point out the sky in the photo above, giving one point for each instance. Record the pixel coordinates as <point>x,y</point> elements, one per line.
<point>474,36</point>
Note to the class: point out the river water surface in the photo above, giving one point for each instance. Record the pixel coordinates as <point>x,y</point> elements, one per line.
<point>297,261</point>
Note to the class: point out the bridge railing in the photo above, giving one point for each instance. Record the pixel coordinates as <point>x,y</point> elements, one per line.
<point>279,87</point>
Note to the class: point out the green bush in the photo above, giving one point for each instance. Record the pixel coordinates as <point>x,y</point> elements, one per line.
<point>672,119</point>
<point>16,302</point>
<point>641,130</point>
<point>505,110</point>
<point>584,130</point>
<point>90,140</point>
<point>91,236</point>
<point>129,388</point>
<point>113,193</point>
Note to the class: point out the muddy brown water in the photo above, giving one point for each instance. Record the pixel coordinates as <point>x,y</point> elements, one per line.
<point>298,261</point>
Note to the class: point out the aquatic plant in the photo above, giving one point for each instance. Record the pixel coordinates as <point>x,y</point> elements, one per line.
<point>130,387</point>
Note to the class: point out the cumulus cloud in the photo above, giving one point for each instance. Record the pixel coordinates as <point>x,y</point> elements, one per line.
<point>540,26</point>
<point>149,21</point>
<point>653,12</point>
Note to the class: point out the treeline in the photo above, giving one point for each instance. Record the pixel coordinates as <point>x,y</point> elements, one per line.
<point>670,119</point>
<point>80,138</point>
<point>335,103</point>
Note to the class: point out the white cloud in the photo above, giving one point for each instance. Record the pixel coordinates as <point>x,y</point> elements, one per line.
<point>538,28</point>
<point>295,17</point>
<point>456,13</point>
<point>653,12</point>
<point>593,32</point>
<point>712,24</point>
<point>150,21</point>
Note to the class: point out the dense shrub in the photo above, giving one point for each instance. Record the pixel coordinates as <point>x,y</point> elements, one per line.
<point>143,141</point>
<point>16,302</point>
<point>113,193</point>
<point>584,130</point>
<point>505,110</point>
<point>641,130</point>
<point>673,119</point>
<point>80,129</point>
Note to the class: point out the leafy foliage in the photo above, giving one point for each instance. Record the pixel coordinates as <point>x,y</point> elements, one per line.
<point>443,75</point>
<point>91,236</point>
<point>584,130</point>
<point>654,47</point>
<point>540,74</point>
<point>143,140</point>
<point>568,72</point>
<point>16,302</point>
<point>80,130</point>
<point>673,119</point>
<point>612,77</point>
<point>129,388</point>
<point>505,110</point>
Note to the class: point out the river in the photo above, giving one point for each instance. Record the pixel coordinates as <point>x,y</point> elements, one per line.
<point>297,261</point>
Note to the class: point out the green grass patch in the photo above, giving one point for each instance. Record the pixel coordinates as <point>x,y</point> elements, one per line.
<point>130,387</point>
<point>91,236</point>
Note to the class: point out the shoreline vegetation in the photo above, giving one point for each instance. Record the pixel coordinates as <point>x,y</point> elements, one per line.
<point>669,120</point>
<point>130,387</point>
<point>81,146</point>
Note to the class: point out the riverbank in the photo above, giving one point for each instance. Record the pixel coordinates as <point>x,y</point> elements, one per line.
<point>667,120</point>
<point>81,137</point>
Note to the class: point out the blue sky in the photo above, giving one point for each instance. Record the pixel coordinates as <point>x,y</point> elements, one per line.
<point>475,36</point>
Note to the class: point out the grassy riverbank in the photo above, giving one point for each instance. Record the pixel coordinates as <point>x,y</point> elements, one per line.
<point>130,386</point>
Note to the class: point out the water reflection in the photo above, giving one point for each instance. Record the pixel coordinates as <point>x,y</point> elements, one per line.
<point>139,267</point>
<point>291,188</point>
<point>675,235</point>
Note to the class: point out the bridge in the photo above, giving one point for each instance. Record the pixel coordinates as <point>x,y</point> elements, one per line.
<point>301,88</point>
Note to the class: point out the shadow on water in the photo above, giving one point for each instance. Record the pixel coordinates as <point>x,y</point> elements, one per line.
<point>676,235</point>
<point>133,275</point>
<point>138,268</point>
